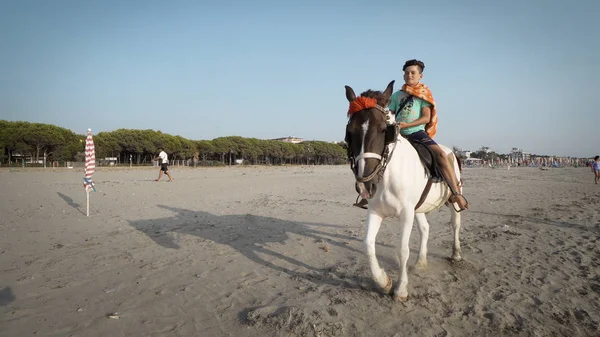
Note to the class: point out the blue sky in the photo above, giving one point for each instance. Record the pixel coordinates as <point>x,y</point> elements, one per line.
<point>504,74</point>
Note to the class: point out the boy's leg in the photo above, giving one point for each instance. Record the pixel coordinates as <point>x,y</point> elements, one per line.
<point>169,174</point>
<point>450,175</point>
<point>160,174</point>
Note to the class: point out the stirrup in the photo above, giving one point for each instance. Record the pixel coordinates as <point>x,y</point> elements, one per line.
<point>361,204</point>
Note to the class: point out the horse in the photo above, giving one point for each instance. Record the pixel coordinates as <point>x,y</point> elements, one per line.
<point>391,175</point>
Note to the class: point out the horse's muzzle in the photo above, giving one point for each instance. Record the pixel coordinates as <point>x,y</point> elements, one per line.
<point>366,190</point>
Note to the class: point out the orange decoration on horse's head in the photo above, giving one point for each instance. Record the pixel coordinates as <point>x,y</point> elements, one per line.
<point>361,103</point>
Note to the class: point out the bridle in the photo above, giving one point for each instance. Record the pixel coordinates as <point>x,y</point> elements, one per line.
<point>391,136</point>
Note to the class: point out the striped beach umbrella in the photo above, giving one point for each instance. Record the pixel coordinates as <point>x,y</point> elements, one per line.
<point>90,167</point>
<point>90,162</point>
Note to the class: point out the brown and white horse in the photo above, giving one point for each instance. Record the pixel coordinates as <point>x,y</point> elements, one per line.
<point>392,177</point>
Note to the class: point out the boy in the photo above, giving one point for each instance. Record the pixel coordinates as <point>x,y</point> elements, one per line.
<point>416,115</point>
<point>164,166</point>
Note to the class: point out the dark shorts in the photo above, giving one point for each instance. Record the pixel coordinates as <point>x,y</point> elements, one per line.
<point>164,167</point>
<point>422,137</point>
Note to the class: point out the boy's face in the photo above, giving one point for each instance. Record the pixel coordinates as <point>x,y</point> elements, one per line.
<point>412,75</point>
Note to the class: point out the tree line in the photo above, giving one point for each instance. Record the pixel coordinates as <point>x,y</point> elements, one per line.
<point>38,141</point>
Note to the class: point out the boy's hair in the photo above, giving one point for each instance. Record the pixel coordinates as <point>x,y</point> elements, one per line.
<point>596,157</point>
<point>414,62</point>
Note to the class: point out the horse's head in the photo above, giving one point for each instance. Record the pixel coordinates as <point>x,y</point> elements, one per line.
<point>370,129</point>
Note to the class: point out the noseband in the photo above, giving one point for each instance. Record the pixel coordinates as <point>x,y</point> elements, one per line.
<point>391,135</point>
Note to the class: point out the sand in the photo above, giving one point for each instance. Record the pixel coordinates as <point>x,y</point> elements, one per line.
<point>276,251</point>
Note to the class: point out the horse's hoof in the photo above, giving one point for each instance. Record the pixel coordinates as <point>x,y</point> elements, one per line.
<point>456,258</point>
<point>421,267</point>
<point>388,286</point>
<point>400,299</point>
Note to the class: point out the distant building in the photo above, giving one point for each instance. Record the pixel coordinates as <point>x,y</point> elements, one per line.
<point>517,155</point>
<point>26,157</point>
<point>463,154</point>
<point>485,149</point>
<point>109,161</point>
<point>290,139</point>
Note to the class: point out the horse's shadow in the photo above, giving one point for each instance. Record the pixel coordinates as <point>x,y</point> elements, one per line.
<point>251,235</point>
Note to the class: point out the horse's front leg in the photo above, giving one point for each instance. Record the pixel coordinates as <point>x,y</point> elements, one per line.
<point>423,226</point>
<point>406,221</point>
<point>383,281</point>
<point>455,222</point>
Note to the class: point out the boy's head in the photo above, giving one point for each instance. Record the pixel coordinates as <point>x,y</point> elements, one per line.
<point>596,158</point>
<point>413,72</point>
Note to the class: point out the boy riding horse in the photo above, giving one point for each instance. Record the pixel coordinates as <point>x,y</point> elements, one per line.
<point>416,116</point>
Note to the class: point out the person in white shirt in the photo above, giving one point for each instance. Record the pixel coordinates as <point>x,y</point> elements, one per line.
<point>164,164</point>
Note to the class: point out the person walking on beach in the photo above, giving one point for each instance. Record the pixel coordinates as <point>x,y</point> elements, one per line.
<point>164,164</point>
<point>596,169</point>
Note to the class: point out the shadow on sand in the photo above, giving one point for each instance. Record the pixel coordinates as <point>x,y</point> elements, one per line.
<point>249,235</point>
<point>6,296</point>
<point>70,201</point>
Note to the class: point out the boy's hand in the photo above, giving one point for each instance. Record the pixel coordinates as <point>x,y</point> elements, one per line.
<point>402,125</point>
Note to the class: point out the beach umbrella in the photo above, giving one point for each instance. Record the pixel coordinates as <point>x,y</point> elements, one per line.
<point>90,167</point>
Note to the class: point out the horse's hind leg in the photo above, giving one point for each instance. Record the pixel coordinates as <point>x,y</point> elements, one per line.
<point>455,222</point>
<point>383,281</point>
<point>423,226</point>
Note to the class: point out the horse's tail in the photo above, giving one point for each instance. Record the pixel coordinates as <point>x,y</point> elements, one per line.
<point>459,163</point>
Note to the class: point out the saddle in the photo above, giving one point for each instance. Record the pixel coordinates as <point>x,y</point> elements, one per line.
<point>428,159</point>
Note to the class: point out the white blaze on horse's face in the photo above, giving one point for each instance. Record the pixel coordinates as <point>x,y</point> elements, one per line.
<point>365,153</point>
<point>361,160</point>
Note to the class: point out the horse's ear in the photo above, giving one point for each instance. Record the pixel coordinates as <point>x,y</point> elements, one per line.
<point>350,95</point>
<point>389,90</point>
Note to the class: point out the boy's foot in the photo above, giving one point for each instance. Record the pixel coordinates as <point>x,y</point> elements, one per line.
<point>362,203</point>
<point>461,201</point>
<point>170,180</point>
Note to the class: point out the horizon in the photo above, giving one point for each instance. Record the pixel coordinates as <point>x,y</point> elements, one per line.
<point>503,75</point>
<point>490,149</point>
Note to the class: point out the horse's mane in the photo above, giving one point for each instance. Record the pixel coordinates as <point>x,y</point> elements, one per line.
<point>377,95</point>
<point>372,94</point>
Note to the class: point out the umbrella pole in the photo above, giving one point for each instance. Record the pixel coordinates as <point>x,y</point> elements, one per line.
<point>87,190</point>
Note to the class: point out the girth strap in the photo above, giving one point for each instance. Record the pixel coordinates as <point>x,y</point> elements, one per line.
<point>425,193</point>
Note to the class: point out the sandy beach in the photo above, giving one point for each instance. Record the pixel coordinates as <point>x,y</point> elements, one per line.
<point>276,251</point>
